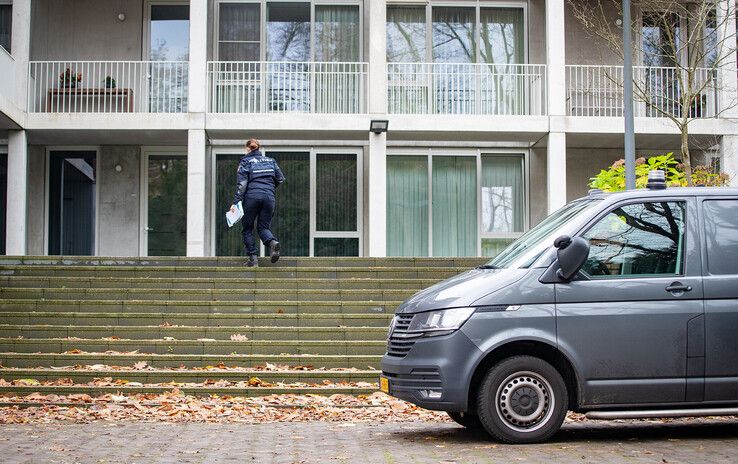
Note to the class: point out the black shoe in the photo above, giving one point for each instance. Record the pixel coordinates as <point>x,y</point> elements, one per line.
<point>274,246</point>
<point>253,261</point>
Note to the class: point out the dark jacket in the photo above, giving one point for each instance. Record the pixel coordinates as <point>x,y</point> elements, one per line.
<point>257,174</point>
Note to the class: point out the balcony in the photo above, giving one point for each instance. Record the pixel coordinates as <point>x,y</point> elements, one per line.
<point>461,88</point>
<point>108,86</point>
<point>286,87</point>
<point>597,91</point>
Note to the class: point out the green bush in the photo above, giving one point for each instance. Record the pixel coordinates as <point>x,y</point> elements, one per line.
<point>613,178</point>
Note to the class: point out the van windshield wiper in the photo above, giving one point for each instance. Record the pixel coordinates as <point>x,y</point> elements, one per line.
<point>487,266</point>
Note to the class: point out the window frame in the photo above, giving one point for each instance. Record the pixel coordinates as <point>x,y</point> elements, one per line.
<point>477,5</point>
<point>263,24</point>
<point>596,220</point>
<point>313,151</point>
<point>10,32</point>
<point>478,154</point>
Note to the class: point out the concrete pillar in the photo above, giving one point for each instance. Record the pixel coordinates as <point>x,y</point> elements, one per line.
<point>728,83</point>
<point>197,100</point>
<point>729,151</point>
<point>377,213</point>
<point>555,58</point>
<point>377,107</point>
<point>21,49</point>
<point>556,171</point>
<point>15,237</point>
<point>196,194</point>
<point>556,92</point>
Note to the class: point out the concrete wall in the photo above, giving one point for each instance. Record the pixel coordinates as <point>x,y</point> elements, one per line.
<point>536,28</point>
<point>36,214</point>
<point>538,185</point>
<point>86,30</point>
<point>584,48</point>
<point>119,214</point>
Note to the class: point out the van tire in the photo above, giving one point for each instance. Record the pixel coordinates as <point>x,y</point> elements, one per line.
<point>466,419</point>
<point>534,388</point>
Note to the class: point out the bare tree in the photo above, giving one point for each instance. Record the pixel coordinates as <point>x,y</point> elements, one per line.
<point>684,45</point>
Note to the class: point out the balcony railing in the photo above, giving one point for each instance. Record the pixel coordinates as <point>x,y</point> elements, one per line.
<point>458,88</point>
<point>108,86</point>
<point>598,91</point>
<point>284,87</point>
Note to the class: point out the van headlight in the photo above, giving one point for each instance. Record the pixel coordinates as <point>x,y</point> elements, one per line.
<point>441,322</point>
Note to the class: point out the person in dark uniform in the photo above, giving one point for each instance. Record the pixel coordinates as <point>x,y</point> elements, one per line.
<point>257,179</point>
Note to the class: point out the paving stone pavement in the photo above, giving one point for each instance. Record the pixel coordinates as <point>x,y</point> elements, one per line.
<point>680,441</point>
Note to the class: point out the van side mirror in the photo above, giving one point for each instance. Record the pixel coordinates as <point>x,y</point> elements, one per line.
<point>572,253</point>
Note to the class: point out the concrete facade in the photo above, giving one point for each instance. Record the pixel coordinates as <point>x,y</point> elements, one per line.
<point>561,151</point>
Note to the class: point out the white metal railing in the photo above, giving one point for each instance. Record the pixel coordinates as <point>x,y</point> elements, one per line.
<point>594,90</point>
<point>282,87</point>
<point>108,86</point>
<point>462,88</point>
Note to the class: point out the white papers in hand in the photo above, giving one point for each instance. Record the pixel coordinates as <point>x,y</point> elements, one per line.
<point>233,217</point>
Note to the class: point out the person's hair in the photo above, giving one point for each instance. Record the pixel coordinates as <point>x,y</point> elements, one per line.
<point>253,144</point>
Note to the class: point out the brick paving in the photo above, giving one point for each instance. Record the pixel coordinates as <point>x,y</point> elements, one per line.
<point>679,441</point>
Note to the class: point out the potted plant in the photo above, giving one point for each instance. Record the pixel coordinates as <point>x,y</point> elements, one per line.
<point>110,83</point>
<point>69,80</point>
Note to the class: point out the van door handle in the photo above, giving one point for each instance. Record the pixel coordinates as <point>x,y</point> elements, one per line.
<point>678,287</point>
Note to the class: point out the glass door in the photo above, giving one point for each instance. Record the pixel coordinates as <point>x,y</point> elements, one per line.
<point>72,202</point>
<point>165,230</point>
<point>169,45</point>
<point>318,210</point>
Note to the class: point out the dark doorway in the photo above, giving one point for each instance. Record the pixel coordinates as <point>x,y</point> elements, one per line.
<point>3,198</point>
<point>72,212</point>
<point>167,206</point>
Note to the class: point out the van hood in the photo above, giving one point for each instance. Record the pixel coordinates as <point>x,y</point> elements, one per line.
<point>461,290</point>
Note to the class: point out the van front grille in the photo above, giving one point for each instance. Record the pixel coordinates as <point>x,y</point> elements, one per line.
<point>399,344</point>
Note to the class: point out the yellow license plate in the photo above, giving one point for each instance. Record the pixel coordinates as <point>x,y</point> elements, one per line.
<point>384,384</point>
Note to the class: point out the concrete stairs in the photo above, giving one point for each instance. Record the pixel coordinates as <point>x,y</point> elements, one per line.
<point>203,325</point>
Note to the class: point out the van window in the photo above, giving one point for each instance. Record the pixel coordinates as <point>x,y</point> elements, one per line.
<point>636,240</point>
<point>721,236</point>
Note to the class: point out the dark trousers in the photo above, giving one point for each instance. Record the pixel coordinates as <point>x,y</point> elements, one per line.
<point>261,207</point>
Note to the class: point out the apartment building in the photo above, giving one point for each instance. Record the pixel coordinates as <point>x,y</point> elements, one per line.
<point>122,121</point>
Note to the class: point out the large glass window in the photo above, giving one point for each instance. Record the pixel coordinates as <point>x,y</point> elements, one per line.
<point>406,37</point>
<point>288,31</point>
<point>454,36</point>
<point>453,208</point>
<point>337,33</point>
<point>239,34</point>
<point>502,39</point>
<point>170,33</point>
<point>6,25</point>
<point>407,206</point>
<point>320,188</point>
<point>637,239</point>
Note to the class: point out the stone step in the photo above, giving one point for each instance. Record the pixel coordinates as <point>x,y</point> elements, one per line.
<point>30,360</point>
<point>193,333</point>
<point>194,319</point>
<point>235,294</point>
<point>223,261</point>
<point>213,284</point>
<point>199,347</point>
<point>189,376</point>
<point>187,390</point>
<point>202,307</point>
<point>340,272</point>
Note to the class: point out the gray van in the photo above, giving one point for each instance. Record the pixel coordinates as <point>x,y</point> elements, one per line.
<point>621,305</point>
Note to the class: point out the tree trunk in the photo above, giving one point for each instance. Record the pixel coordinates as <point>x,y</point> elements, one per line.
<point>686,160</point>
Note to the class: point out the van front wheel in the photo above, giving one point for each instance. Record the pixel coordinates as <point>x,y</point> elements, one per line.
<point>522,400</point>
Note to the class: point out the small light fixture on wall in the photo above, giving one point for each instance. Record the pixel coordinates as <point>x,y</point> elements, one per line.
<point>121,17</point>
<point>378,126</point>
<point>118,168</point>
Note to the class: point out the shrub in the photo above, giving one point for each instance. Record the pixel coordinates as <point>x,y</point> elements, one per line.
<point>613,178</point>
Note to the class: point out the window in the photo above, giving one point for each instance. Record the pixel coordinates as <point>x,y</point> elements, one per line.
<point>442,204</point>
<point>337,35</point>
<point>288,31</point>
<point>637,240</point>
<point>170,33</point>
<point>239,32</point>
<point>721,236</point>
<point>6,25</point>
<point>455,35</point>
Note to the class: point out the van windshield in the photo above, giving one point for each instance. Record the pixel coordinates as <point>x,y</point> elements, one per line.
<point>524,251</point>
